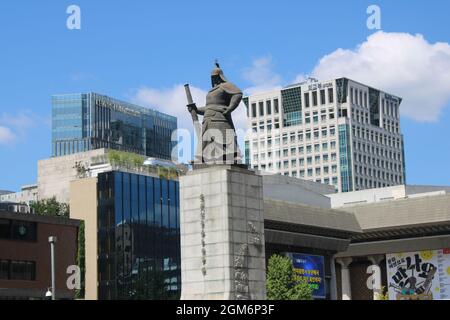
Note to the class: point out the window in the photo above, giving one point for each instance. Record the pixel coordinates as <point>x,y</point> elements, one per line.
<point>254,110</point>
<point>18,230</point>
<point>276,107</point>
<point>261,109</point>
<point>314,96</point>
<point>5,232</point>
<point>330,95</point>
<point>269,107</point>
<point>307,100</point>
<point>322,97</point>
<point>17,270</point>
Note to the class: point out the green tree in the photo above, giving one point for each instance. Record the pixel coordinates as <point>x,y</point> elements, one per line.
<point>51,207</point>
<point>79,294</point>
<point>281,283</point>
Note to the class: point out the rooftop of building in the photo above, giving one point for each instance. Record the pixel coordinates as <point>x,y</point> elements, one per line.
<point>39,218</point>
<point>285,188</point>
<point>311,81</point>
<point>135,107</point>
<point>362,197</point>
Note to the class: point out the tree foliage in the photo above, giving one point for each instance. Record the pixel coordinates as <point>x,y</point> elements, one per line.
<point>81,261</point>
<point>281,283</point>
<point>51,207</point>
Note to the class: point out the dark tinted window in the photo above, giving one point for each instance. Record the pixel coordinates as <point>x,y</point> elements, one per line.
<point>17,270</point>
<point>17,230</point>
<point>23,230</point>
<point>5,231</point>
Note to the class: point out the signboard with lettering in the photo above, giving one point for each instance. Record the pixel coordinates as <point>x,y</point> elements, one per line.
<point>422,275</point>
<point>312,269</point>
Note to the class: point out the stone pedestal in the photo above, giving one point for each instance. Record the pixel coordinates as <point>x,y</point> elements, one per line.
<point>222,234</point>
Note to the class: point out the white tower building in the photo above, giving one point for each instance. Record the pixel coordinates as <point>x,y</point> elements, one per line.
<point>338,132</point>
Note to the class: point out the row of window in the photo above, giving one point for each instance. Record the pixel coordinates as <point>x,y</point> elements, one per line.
<point>378,174</point>
<point>364,183</point>
<point>17,270</point>
<point>317,159</point>
<point>265,108</point>
<point>360,98</point>
<point>300,136</point>
<point>324,146</point>
<point>313,98</point>
<point>18,230</point>
<point>376,163</point>
<point>363,158</point>
<point>373,136</point>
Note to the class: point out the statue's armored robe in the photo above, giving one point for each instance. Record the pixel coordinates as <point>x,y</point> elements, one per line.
<point>219,141</point>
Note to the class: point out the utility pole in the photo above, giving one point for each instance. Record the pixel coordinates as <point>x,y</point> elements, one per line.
<point>52,241</point>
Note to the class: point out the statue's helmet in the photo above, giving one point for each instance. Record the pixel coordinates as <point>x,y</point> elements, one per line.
<point>217,72</point>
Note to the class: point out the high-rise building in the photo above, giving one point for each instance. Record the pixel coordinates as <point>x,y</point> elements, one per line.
<point>132,235</point>
<point>338,132</point>
<point>88,121</point>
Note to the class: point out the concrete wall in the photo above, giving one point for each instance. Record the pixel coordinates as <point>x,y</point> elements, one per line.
<point>222,234</point>
<point>83,206</point>
<point>55,174</point>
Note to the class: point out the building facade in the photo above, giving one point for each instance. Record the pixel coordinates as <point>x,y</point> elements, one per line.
<point>27,195</point>
<point>404,247</point>
<point>336,132</point>
<point>132,235</point>
<point>25,255</point>
<point>88,121</point>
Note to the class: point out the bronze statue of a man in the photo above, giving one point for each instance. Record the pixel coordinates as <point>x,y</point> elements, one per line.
<point>218,134</point>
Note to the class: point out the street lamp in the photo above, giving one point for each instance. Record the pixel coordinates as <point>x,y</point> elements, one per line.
<point>52,240</point>
<point>48,294</point>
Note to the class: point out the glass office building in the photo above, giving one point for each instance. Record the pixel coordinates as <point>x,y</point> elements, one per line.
<point>138,237</point>
<point>88,121</point>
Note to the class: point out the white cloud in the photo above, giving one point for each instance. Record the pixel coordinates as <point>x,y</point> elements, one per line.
<point>15,127</point>
<point>172,101</point>
<point>6,135</point>
<point>261,76</point>
<point>400,63</point>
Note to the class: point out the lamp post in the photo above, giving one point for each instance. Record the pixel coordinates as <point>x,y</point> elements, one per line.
<point>52,240</point>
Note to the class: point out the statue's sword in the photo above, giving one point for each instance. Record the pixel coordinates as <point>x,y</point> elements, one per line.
<point>190,101</point>
<point>197,125</point>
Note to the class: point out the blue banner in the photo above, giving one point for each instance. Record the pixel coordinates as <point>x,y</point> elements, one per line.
<point>312,269</point>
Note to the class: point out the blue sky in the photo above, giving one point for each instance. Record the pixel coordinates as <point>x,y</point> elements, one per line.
<point>141,50</point>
